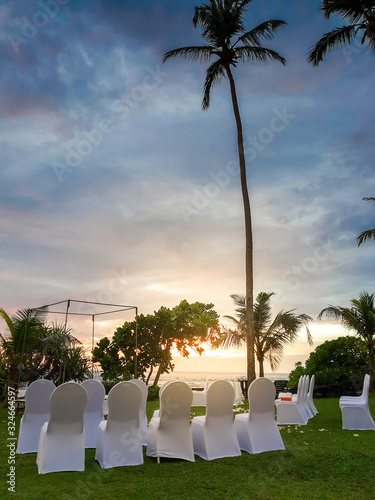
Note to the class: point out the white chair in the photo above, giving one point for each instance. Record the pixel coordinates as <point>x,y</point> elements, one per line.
<point>214,435</point>
<point>94,410</point>
<point>304,396</point>
<point>169,434</point>
<point>362,397</point>
<point>199,397</point>
<point>310,396</point>
<point>119,438</point>
<point>293,412</point>
<point>257,430</point>
<point>36,413</point>
<point>142,410</point>
<point>355,412</point>
<point>62,439</point>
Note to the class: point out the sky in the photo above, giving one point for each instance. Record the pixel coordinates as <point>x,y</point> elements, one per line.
<point>117,188</point>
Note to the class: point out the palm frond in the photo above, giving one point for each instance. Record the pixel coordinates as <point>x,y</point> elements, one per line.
<point>201,53</point>
<point>8,320</point>
<point>214,74</point>
<point>351,10</point>
<point>265,31</point>
<point>230,339</point>
<point>366,235</point>
<point>329,41</point>
<point>257,54</point>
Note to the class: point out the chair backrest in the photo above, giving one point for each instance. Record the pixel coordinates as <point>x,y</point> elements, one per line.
<point>37,396</point>
<point>67,406</point>
<point>366,388</point>
<point>219,400</point>
<point>175,402</point>
<point>306,384</point>
<point>261,396</point>
<point>124,402</point>
<point>95,395</point>
<point>300,388</point>
<point>144,390</point>
<point>311,387</point>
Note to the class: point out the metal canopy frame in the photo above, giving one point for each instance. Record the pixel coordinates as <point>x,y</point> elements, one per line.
<point>93,315</point>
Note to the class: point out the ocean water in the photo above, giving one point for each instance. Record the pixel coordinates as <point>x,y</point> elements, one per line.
<point>198,379</point>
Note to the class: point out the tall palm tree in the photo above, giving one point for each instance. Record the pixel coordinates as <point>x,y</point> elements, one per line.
<point>366,235</point>
<point>360,317</point>
<point>360,14</point>
<point>223,27</point>
<point>271,335</point>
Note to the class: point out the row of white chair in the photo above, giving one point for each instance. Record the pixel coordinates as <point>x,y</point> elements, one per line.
<point>75,417</point>
<point>300,408</point>
<point>216,434</point>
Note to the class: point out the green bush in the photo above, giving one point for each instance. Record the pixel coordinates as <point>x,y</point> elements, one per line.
<point>153,392</point>
<point>337,364</point>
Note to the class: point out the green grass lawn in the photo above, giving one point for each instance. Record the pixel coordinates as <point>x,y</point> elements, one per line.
<point>321,461</point>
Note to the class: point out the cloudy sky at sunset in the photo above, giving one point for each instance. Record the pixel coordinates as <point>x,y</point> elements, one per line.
<point>116,187</point>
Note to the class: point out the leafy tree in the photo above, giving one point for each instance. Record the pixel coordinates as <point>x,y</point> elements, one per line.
<point>295,374</point>
<point>228,43</point>
<point>271,334</point>
<point>360,14</point>
<point>334,362</point>
<point>360,317</point>
<point>369,234</point>
<point>33,350</point>
<point>184,327</point>
<point>64,358</point>
<point>117,356</point>
<point>19,348</point>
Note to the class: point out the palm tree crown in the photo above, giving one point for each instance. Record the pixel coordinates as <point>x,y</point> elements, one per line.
<point>223,27</point>
<point>222,23</point>
<point>271,334</point>
<point>360,317</point>
<point>360,14</point>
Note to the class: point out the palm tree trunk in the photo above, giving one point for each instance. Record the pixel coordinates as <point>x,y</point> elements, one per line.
<point>261,367</point>
<point>249,271</point>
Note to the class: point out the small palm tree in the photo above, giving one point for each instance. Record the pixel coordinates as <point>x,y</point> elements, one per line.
<point>360,317</point>
<point>271,335</point>
<point>366,235</point>
<point>360,15</point>
<point>223,27</point>
<point>26,328</point>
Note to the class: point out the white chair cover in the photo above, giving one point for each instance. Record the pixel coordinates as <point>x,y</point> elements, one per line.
<point>238,396</point>
<point>214,435</point>
<point>36,413</point>
<point>94,410</point>
<point>142,410</point>
<point>257,430</point>
<point>310,396</point>
<point>303,398</point>
<point>199,397</point>
<point>362,397</point>
<point>119,438</point>
<point>62,439</point>
<point>157,412</point>
<point>169,434</point>
<point>293,412</point>
<point>355,412</point>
